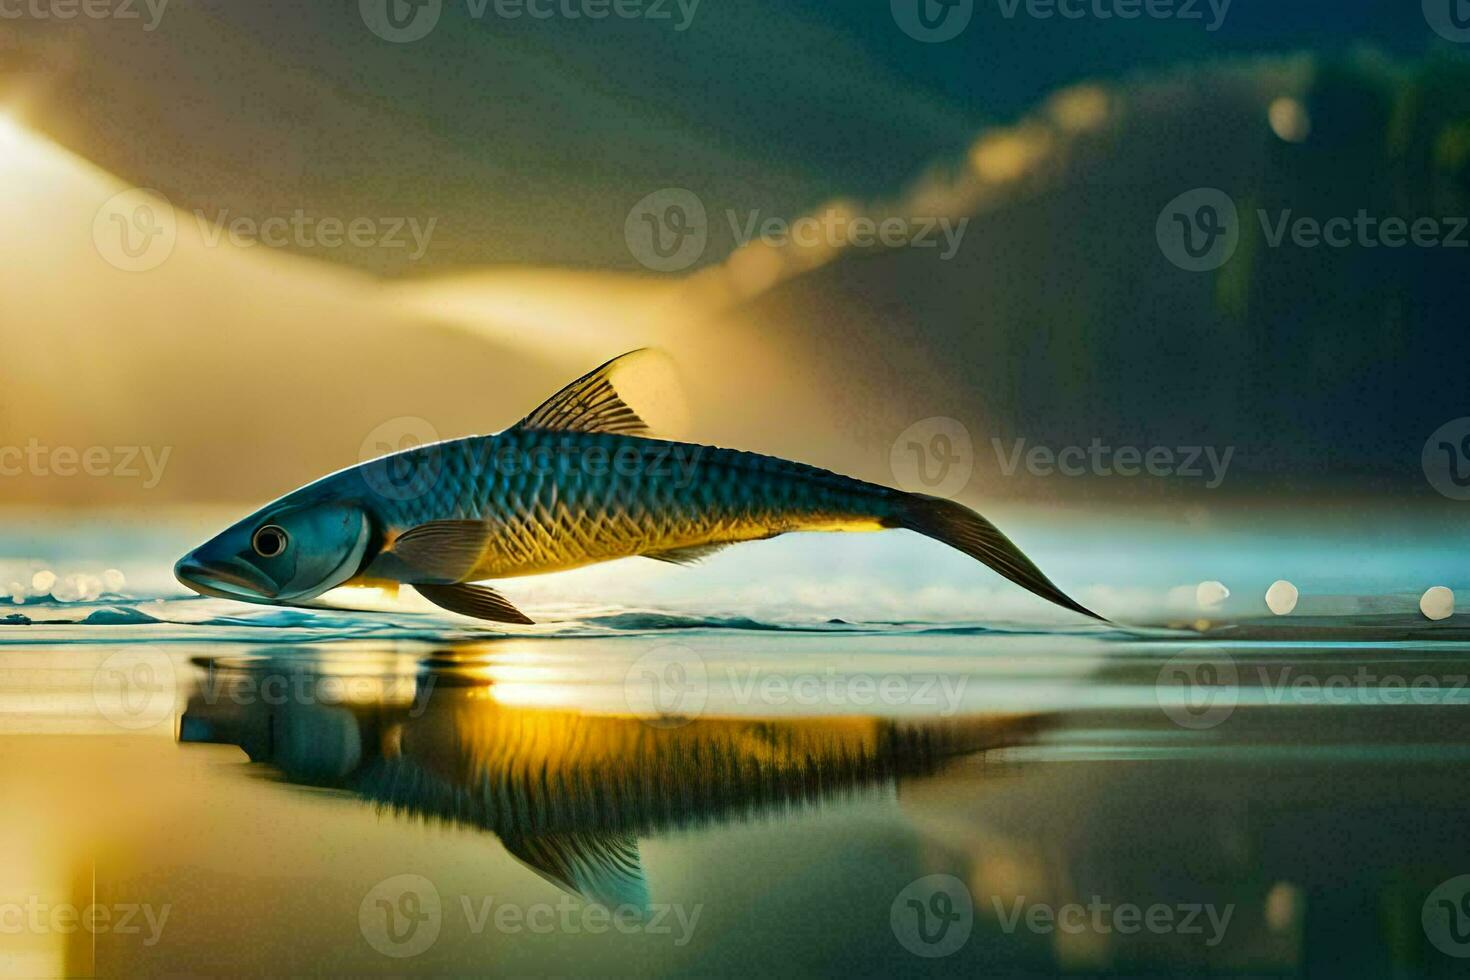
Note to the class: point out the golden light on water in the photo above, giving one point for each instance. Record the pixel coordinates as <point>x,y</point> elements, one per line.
<point>538,694</point>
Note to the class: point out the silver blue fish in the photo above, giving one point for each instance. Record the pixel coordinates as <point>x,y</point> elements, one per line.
<point>579,480</point>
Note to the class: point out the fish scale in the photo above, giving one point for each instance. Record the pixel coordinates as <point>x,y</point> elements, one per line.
<point>650,496</point>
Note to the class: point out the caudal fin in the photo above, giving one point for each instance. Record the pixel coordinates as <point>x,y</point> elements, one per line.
<point>963,529</point>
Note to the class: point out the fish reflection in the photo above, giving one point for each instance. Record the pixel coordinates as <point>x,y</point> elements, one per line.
<point>569,794</point>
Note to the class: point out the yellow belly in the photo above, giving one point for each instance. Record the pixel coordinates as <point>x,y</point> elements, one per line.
<point>533,549</point>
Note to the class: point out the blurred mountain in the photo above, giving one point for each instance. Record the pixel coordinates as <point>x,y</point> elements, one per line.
<point>1062,320</point>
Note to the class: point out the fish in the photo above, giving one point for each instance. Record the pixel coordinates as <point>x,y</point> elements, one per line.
<point>569,793</point>
<point>582,479</point>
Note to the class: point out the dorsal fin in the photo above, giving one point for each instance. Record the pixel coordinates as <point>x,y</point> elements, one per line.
<point>594,402</point>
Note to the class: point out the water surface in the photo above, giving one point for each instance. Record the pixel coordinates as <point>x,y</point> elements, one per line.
<point>645,787</point>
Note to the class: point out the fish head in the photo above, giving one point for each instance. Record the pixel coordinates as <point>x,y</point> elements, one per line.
<point>289,551</point>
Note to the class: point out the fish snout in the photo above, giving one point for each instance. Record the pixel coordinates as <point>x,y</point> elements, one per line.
<point>228,578</point>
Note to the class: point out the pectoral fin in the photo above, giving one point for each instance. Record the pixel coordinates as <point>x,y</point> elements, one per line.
<point>604,868</point>
<point>445,550</point>
<point>479,601</point>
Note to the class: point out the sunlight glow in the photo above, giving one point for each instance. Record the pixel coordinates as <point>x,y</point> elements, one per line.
<point>1281,597</point>
<point>1437,603</point>
<point>1289,120</point>
<point>10,132</point>
<point>1079,109</point>
<point>540,695</point>
<point>1008,155</point>
<point>1211,593</point>
<point>17,146</point>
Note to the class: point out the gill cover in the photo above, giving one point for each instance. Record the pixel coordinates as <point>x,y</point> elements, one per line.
<point>282,553</point>
<point>324,546</point>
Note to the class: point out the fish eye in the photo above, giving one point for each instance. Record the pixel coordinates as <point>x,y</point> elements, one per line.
<point>270,540</point>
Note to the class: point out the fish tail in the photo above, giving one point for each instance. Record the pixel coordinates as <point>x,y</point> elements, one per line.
<point>964,530</point>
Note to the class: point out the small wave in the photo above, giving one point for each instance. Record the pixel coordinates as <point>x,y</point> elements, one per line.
<point>156,619</point>
<point>643,622</point>
<point>50,601</point>
<point>118,616</point>
<point>114,615</point>
<point>289,619</point>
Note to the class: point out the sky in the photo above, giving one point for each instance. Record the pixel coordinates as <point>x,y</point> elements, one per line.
<point>501,168</point>
<point>529,139</point>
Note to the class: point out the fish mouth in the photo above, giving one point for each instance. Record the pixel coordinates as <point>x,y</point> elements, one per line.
<point>233,579</point>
